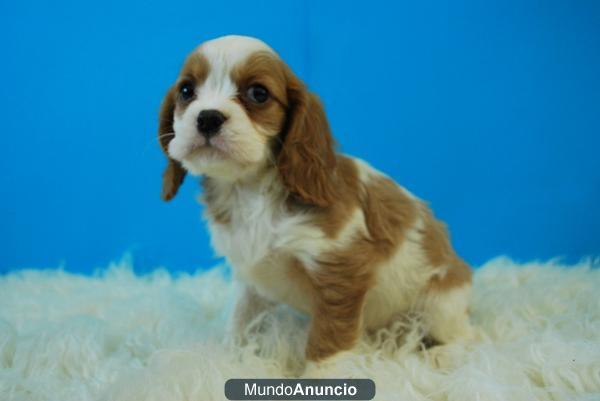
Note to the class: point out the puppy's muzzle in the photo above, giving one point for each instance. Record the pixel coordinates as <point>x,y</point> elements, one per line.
<point>209,122</point>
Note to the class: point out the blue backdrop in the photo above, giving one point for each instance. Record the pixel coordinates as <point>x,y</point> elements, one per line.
<point>489,111</point>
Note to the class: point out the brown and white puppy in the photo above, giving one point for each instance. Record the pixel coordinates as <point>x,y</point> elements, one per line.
<point>300,224</point>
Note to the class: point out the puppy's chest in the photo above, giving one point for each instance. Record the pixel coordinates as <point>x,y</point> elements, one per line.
<point>257,231</point>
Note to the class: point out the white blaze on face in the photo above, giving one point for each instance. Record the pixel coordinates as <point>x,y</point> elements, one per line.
<point>240,140</point>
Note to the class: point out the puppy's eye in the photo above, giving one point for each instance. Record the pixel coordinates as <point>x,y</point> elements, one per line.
<point>258,93</point>
<point>186,91</point>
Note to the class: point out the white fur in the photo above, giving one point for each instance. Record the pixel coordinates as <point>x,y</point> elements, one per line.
<point>231,49</point>
<point>262,236</point>
<point>399,282</point>
<point>118,336</point>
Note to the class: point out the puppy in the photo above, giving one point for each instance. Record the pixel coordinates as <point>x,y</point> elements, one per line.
<point>299,223</point>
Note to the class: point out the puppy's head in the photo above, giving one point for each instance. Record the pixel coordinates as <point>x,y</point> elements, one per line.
<point>235,109</point>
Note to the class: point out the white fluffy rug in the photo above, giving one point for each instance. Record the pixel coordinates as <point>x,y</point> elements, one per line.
<point>118,336</point>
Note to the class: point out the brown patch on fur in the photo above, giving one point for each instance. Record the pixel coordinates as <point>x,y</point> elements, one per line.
<point>266,69</point>
<point>341,283</point>
<point>195,69</point>
<point>389,212</point>
<point>306,159</point>
<point>172,179</point>
<point>439,251</point>
<point>344,276</point>
<point>165,119</point>
<point>174,173</point>
<point>332,219</point>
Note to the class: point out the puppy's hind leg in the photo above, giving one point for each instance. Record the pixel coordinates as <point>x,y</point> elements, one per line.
<point>446,320</point>
<point>446,315</point>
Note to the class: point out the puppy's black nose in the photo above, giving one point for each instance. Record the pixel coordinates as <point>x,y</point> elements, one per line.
<point>209,122</point>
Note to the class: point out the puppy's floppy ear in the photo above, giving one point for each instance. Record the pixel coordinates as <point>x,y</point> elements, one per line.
<point>306,160</point>
<point>174,172</point>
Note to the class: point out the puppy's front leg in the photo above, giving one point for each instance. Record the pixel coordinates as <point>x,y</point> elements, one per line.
<point>249,305</point>
<point>336,324</point>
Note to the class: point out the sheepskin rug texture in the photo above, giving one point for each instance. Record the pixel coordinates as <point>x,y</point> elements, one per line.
<point>119,336</point>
